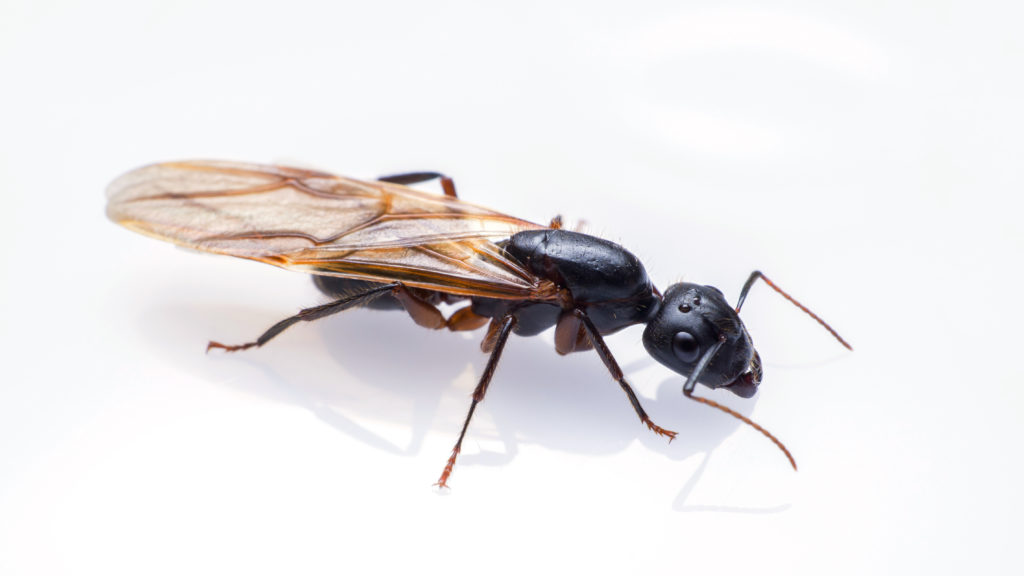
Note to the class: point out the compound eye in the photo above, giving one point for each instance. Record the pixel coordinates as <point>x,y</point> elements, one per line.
<point>685,347</point>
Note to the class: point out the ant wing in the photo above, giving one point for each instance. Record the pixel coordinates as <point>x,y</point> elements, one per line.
<point>324,224</point>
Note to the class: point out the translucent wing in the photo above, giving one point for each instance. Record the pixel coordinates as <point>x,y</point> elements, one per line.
<point>325,224</point>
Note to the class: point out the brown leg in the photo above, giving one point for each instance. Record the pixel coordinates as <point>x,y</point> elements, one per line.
<point>570,335</point>
<point>565,332</point>
<point>491,338</point>
<point>447,184</point>
<point>557,223</point>
<point>466,319</point>
<point>583,341</point>
<point>427,315</point>
<point>505,328</point>
<point>423,313</point>
<point>308,315</point>
<point>609,361</point>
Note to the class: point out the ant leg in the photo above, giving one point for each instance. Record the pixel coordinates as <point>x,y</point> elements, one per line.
<point>421,309</point>
<point>567,331</point>
<point>609,361</point>
<point>505,328</point>
<point>427,315</point>
<point>570,335</point>
<point>758,274</point>
<point>557,223</point>
<point>447,184</point>
<point>308,315</point>
<point>423,313</point>
<point>465,319</point>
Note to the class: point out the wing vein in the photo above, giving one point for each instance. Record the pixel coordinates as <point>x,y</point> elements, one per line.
<point>323,224</point>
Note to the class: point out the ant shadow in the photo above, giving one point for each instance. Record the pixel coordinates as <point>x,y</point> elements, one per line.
<point>380,367</point>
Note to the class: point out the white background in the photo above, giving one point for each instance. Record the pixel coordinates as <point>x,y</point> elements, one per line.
<point>865,155</point>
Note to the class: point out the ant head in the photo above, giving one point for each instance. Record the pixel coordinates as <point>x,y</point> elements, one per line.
<point>694,320</point>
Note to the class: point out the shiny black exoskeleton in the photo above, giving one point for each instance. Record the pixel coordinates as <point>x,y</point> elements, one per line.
<point>609,285</point>
<point>597,276</point>
<point>695,319</point>
<point>602,288</point>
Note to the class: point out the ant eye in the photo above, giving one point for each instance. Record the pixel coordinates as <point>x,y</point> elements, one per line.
<point>685,347</point>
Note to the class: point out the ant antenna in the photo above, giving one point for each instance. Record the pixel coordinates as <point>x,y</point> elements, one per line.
<point>743,296</point>
<point>691,383</point>
<point>755,425</point>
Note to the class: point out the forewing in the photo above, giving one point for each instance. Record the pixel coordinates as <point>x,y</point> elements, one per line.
<point>325,224</point>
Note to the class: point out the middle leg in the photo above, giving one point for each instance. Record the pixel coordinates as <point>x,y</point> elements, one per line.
<point>504,329</point>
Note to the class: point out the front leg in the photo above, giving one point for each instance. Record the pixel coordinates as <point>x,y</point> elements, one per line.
<point>609,361</point>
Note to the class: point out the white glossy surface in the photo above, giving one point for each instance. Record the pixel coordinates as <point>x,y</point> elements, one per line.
<point>865,156</point>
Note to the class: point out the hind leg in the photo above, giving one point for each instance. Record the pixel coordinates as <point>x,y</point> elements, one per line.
<point>419,304</point>
<point>336,288</point>
<point>447,184</point>
<point>310,314</point>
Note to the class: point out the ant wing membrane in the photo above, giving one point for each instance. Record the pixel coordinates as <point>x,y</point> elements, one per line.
<point>324,224</point>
